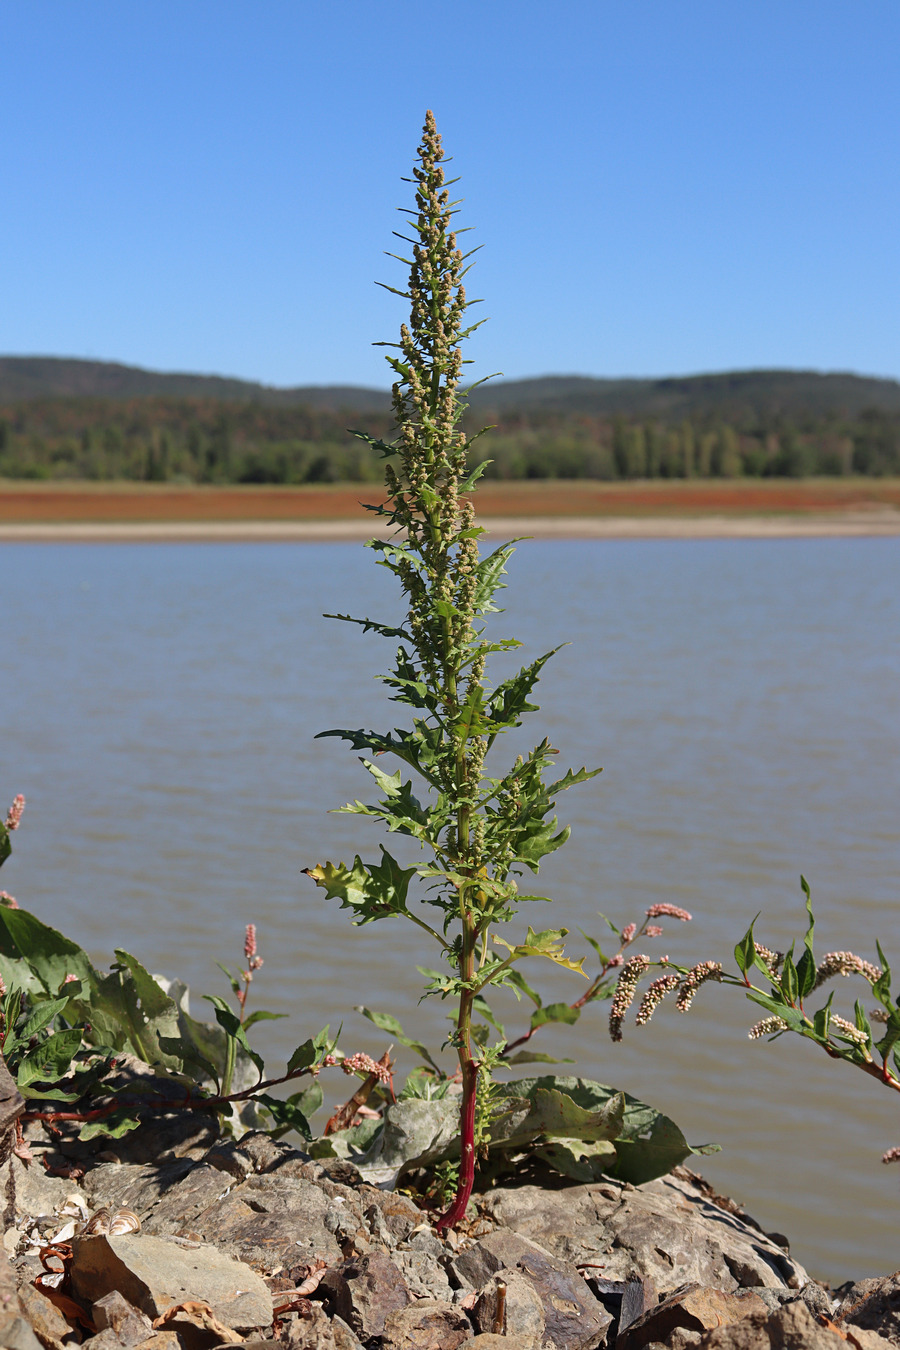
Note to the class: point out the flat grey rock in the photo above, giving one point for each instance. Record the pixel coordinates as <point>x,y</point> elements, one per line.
<point>153,1273</point>
<point>666,1230</point>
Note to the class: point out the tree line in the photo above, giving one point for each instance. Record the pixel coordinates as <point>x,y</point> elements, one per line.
<point>193,440</point>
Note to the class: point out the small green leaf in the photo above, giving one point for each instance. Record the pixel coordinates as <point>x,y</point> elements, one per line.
<point>555,1012</point>
<point>535,1057</point>
<point>882,986</point>
<point>548,944</point>
<point>262,1016</point>
<point>745,951</point>
<point>789,984</point>
<point>286,1114</point>
<point>49,1060</point>
<point>42,1016</point>
<point>113,1126</point>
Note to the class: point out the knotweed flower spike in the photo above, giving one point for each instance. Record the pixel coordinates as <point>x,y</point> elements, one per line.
<point>363,1063</point>
<point>654,995</point>
<point>892,1155</point>
<point>771,960</point>
<point>14,814</point>
<point>253,961</point>
<point>667,911</point>
<point>849,1029</point>
<point>633,972</point>
<point>628,933</point>
<point>767,1027</point>
<point>9,901</point>
<point>697,975</point>
<point>845,963</point>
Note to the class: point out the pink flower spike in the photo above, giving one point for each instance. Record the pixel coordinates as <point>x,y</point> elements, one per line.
<point>628,932</point>
<point>253,961</point>
<point>616,960</point>
<point>71,979</point>
<point>8,901</point>
<point>14,814</point>
<point>653,930</point>
<point>892,1155</point>
<point>665,910</point>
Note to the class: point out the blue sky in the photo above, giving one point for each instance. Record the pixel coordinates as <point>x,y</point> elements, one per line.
<point>659,186</point>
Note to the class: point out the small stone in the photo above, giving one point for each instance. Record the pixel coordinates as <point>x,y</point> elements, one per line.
<point>792,1326</point>
<point>365,1291</point>
<point>873,1305</point>
<point>692,1309</point>
<point>16,1334</point>
<point>573,1318</point>
<point>162,1340</point>
<point>107,1340</point>
<point>429,1324</point>
<point>129,1326</point>
<point>319,1332</point>
<point>522,1310</point>
<point>44,1318</point>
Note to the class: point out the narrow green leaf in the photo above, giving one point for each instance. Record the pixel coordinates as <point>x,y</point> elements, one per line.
<point>42,1016</point>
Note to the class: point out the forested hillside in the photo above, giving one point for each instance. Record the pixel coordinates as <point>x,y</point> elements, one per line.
<point>72,419</point>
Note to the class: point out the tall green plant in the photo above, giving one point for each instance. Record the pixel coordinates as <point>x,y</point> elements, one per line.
<point>478,831</point>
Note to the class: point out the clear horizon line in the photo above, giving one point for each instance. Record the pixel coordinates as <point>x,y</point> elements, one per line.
<point>505,379</point>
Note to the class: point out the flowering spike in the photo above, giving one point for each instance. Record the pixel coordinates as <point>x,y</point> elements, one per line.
<point>767,1027</point>
<point>845,963</point>
<point>14,814</point>
<point>632,972</point>
<point>654,995</point>
<point>697,975</point>
<point>665,910</point>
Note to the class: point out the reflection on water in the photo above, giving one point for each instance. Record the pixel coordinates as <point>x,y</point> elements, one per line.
<point>160,707</point>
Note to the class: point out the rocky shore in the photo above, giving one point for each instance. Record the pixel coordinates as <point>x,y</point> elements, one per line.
<point>252,1242</point>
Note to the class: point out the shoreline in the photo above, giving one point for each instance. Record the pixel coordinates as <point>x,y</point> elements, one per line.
<point>873,522</point>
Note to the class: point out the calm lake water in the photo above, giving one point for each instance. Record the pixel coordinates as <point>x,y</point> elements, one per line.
<point>743,696</point>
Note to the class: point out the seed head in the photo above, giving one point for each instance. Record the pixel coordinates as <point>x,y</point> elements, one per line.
<point>697,975</point>
<point>14,814</point>
<point>771,960</point>
<point>632,971</point>
<point>849,1030</point>
<point>666,910</point>
<point>845,963</point>
<point>767,1027</point>
<point>654,995</point>
<point>363,1063</point>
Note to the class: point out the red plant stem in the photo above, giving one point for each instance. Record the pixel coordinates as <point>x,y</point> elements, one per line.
<point>457,1210</point>
<point>469,1072</point>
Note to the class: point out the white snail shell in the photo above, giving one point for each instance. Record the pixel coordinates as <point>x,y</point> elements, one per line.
<point>97,1224</point>
<point>124,1221</point>
<point>111,1225</point>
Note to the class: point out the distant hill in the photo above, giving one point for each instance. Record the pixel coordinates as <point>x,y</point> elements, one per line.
<point>33,377</point>
<point>732,396</point>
